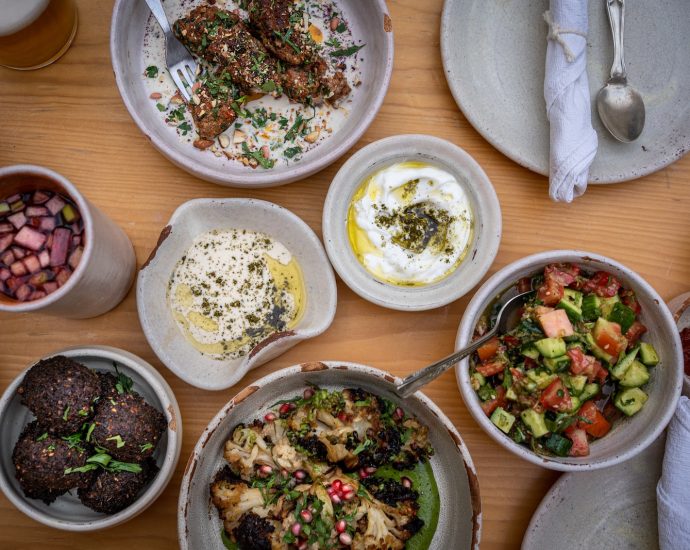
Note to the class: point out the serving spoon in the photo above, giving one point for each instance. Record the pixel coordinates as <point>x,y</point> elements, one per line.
<point>620,106</point>
<point>507,318</point>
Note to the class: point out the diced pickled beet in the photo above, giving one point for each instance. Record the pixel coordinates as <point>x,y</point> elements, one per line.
<point>76,240</point>
<point>18,220</point>
<point>6,227</point>
<point>47,224</point>
<point>7,257</point>
<point>44,258</point>
<point>55,204</point>
<point>60,246</point>
<point>13,283</point>
<point>62,276</point>
<point>18,269</point>
<point>77,228</point>
<point>18,252</point>
<point>30,238</point>
<point>14,198</point>
<point>5,273</point>
<point>6,241</point>
<point>75,257</point>
<point>35,211</point>
<point>37,295</point>
<point>40,197</point>
<point>22,293</point>
<point>41,278</point>
<point>32,264</point>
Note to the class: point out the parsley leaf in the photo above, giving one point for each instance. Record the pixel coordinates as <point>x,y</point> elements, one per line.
<point>257,156</point>
<point>346,52</point>
<point>151,71</point>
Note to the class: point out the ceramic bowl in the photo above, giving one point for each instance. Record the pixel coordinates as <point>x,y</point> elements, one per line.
<point>680,307</point>
<point>199,216</point>
<point>484,204</point>
<point>67,512</point>
<point>629,436</point>
<point>368,20</point>
<point>460,518</point>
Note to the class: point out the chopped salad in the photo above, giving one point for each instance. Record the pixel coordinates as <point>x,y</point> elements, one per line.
<point>572,366</point>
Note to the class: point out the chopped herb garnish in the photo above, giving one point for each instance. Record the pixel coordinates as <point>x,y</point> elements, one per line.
<point>346,52</point>
<point>161,107</point>
<point>124,383</point>
<point>151,71</point>
<point>65,415</point>
<point>286,38</point>
<point>117,439</point>
<point>145,447</point>
<point>184,128</point>
<point>43,436</point>
<point>257,156</point>
<point>292,151</point>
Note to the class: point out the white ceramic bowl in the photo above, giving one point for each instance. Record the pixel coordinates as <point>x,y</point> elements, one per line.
<point>485,209</point>
<point>368,20</point>
<point>460,518</point>
<point>67,512</point>
<point>199,216</point>
<point>629,436</point>
<point>680,307</point>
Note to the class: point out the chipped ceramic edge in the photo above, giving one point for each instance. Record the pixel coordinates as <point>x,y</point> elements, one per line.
<point>255,179</point>
<point>264,350</point>
<point>680,306</point>
<point>314,366</point>
<point>163,392</point>
<point>493,288</point>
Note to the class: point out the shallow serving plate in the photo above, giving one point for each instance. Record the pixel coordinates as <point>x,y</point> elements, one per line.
<point>67,512</point>
<point>369,22</point>
<point>199,216</point>
<point>494,53</point>
<point>610,508</point>
<point>680,307</point>
<point>460,518</point>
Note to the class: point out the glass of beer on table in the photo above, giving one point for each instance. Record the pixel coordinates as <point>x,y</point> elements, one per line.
<point>34,33</point>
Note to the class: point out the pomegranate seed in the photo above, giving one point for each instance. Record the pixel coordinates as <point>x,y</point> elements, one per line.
<point>330,491</point>
<point>265,470</point>
<point>406,481</point>
<point>303,545</point>
<point>337,485</point>
<point>286,408</point>
<point>342,416</point>
<point>399,413</point>
<point>306,516</point>
<point>284,472</point>
<point>345,539</point>
<point>296,528</point>
<point>300,475</point>
<point>340,526</point>
<point>335,499</point>
<point>269,417</point>
<point>308,393</point>
<point>347,488</point>
<point>349,496</point>
<point>370,470</point>
<point>363,474</point>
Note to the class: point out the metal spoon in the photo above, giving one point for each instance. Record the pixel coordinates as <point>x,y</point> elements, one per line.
<point>620,106</point>
<point>507,319</point>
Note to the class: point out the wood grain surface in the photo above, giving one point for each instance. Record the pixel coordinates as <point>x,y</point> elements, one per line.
<point>69,117</point>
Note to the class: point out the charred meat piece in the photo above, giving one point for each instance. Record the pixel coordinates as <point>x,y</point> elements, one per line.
<point>250,66</point>
<point>111,492</point>
<point>311,85</point>
<point>200,28</point>
<point>60,392</point>
<point>127,427</point>
<point>335,88</point>
<point>40,461</point>
<point>280,25</point>
<point>211,105</point>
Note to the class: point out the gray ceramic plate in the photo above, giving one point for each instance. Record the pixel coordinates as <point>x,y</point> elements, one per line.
<point>459,525</point>
<point>610,508</point>
<point>493,54</point>
<point>369,22</point>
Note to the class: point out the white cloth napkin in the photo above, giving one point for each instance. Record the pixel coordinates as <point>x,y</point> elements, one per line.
<point>568,103</point>
<point>673,490</point>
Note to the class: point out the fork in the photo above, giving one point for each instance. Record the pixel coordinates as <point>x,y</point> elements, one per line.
<point>181,64</point>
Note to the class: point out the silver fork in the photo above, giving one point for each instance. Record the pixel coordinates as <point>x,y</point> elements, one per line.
<point>180,62</point>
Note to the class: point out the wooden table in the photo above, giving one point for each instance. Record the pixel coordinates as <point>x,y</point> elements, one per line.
<point>69,117</point>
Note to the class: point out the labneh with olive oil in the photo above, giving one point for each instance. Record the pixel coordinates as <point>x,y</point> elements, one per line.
<point>233,289</point>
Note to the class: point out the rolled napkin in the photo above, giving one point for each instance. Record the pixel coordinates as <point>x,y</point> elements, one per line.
<point>673,490</point>
<point>568,103</point>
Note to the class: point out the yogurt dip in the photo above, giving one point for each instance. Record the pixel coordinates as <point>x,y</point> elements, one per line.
<point>410,224</point>
<point>232,289</point>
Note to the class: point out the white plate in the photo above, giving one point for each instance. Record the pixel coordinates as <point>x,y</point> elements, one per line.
<point>610,508</point>
<point>493,54</point>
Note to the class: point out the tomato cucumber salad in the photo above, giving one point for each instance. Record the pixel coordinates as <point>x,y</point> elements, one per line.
<point>572,366</point>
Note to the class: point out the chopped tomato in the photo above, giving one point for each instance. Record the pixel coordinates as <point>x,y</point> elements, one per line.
<point>603,284</point>
<point>611,412</point>
<point>593,422</point>
<point>579,438</point>
<point>524,285</point>
<point>563,274</point>
<point>491,368</point>
<point>587,365</point>
<point>556,397</point>
<point>600,373</point>
<point>550,293</point>
<point>610,339</point>
<point>629,299</point>
<point>636,330</point>
<point>492,404</point>
<point>556,324</point>
<point>488,350</point>
<point>511,341</point>
<point>571,269</point>
<point>516,374</point>
<point>530,363</point>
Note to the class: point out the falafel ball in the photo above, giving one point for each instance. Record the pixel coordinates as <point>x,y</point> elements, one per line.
<point>60,392</point>
<point>40,461</point>
<point>108,382</point>
<point>127,427</point>
<point>111,492</point>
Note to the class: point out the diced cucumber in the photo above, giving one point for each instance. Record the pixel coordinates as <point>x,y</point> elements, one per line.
<point>648,355</point>
<point>596,350</point>
<point>558,445</point>
<point>607,305</point>
<point>630,400</point>
<point>636,375</point>
<point>623,315</point>
<point>551,347</point>
<point>557,364</point>
<point>572,304</point>
<point>589,391</point>
<point>535,422</point>
<point>477,380</point>
<point>576,383</point>
<point>575,404</point>
<point>619,370</point>
<point>576,344</point>
<point>591,307</point>
<point>69,214</point>
<point>510,394</point>
<point>528,350</point>
<point>486,393</point>
<point>541,378</point>
<point>4,207</point>
<point>502,419</point>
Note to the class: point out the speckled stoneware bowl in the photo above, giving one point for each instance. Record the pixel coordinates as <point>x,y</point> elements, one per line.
<point>460,518</point>
<point>629,436</point>
<point>67,512</point>
<point>199,216</point>
<point>680,307</point>
<point>484,203</point>
<point>369,22</point>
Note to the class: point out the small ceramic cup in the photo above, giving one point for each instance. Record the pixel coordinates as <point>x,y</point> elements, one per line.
<point>486,212</point>
<point>107,267</point>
